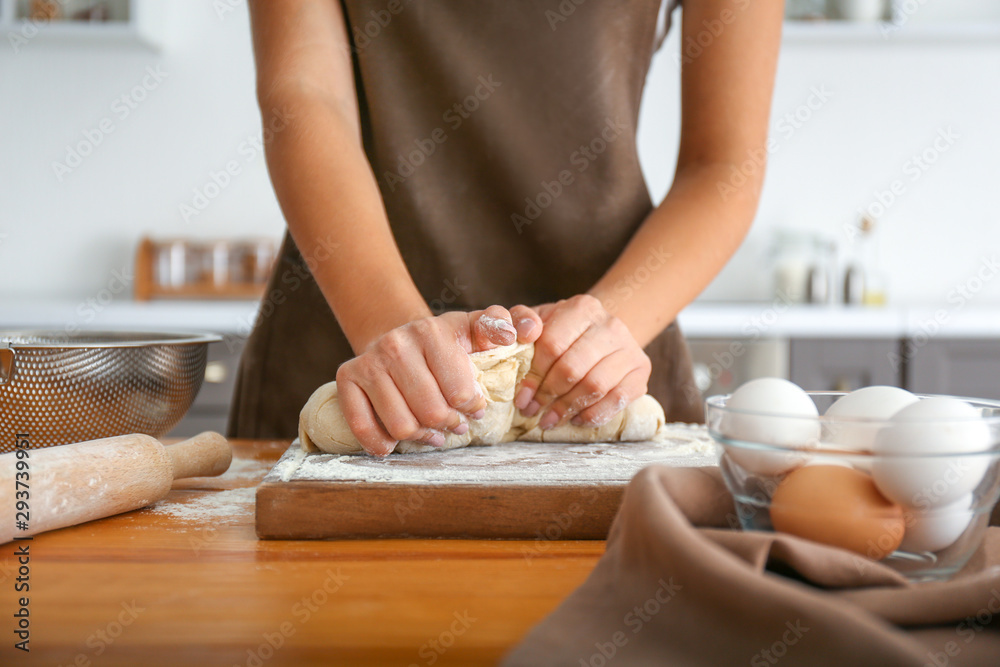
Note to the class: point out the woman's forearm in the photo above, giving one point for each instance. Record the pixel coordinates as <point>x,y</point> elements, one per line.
<point>725,104</point>
<point>334,212</point>
<point>678,250</point>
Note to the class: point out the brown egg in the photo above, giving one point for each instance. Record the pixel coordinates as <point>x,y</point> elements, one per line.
<point>839,506</point>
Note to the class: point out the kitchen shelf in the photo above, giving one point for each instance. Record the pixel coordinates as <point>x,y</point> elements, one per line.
<point>832,32</point>
<point>143,26</point>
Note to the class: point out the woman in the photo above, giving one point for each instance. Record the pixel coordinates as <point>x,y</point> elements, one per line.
<point>442,161</point>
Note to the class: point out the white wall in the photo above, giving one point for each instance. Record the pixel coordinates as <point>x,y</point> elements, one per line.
<point>63,238</point>
<point>889,98</point>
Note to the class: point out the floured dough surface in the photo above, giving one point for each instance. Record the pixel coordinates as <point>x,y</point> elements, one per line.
<point>498,372</point>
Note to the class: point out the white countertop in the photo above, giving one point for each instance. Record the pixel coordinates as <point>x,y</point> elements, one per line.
<point>701,320</point>
<point>766,320</point>
<point>222,317</point>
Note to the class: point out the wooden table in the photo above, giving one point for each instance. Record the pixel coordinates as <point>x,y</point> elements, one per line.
<point>187,582</point>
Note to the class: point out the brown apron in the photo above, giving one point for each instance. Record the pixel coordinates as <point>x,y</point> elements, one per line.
<point>503,138</point>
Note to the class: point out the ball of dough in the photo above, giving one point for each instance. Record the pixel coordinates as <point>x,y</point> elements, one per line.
<point>498,372</point>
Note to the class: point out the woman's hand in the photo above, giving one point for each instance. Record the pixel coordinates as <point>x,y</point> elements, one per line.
<point>587,365</point>
<point>416,381</point>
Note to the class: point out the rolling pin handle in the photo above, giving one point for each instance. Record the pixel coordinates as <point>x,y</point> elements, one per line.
<point>205,455</point>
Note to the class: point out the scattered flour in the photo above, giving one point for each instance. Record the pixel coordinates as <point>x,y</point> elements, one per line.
<point>514,463</point>
<point>496,324</point>
<point>209,506</point>
<point>246,469</point>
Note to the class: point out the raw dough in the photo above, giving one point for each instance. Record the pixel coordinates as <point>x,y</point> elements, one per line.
<point>498,372</point>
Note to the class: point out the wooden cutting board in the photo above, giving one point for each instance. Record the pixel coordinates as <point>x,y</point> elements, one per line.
<point>547,491</point>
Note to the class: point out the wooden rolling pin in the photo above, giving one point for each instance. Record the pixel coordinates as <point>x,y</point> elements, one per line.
<point>71,484</point>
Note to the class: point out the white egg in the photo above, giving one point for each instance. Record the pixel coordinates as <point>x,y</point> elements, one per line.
<point>938,425</point>
<point>844,420</point>
<point>852,422</point>
<point>775,397</point>
<point>937,529</point>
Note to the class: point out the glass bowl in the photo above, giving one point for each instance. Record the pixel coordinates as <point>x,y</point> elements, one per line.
<point>927,488</point>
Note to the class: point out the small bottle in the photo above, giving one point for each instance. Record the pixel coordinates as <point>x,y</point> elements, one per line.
<point>854,285</point>
<point>818,287</point>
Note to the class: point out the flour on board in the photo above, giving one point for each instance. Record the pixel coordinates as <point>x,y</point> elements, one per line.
<point>520,463</point>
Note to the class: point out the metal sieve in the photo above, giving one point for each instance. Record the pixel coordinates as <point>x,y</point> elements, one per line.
<point>61,387</point>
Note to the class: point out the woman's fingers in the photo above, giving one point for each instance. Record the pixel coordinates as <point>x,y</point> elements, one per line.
<point>621,369</point>
<point>563,326</point>
<point>397,418</point>
<point>575,364</point>
<point>418,380</point>
<point>617,399</point>
<point>425,399</point>
<point>449,364</point>
<point>527,322</point>
<point>361,419</point>
<point>491,328</point>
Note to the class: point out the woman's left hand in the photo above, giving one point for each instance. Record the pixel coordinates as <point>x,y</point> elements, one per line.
<point>587,365</point>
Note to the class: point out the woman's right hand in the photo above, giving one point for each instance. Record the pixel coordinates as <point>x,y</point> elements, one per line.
<point>415,382</point>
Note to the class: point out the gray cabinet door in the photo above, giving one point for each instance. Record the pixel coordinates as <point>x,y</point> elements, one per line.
<point>957,367</point>
<point>210,410</point>
<point>844,364</point>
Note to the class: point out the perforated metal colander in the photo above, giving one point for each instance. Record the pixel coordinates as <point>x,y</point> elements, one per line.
<point>60,388</point>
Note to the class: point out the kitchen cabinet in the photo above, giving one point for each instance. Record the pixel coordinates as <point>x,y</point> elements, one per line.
<point>722,365</point>
<point>128,22</point>
<point>956,367</point>
<point>844,365</point>
<point>210,410</point>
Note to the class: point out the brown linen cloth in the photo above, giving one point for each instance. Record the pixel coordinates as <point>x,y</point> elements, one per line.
<point>667,593</point>
<point>471,112</point>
